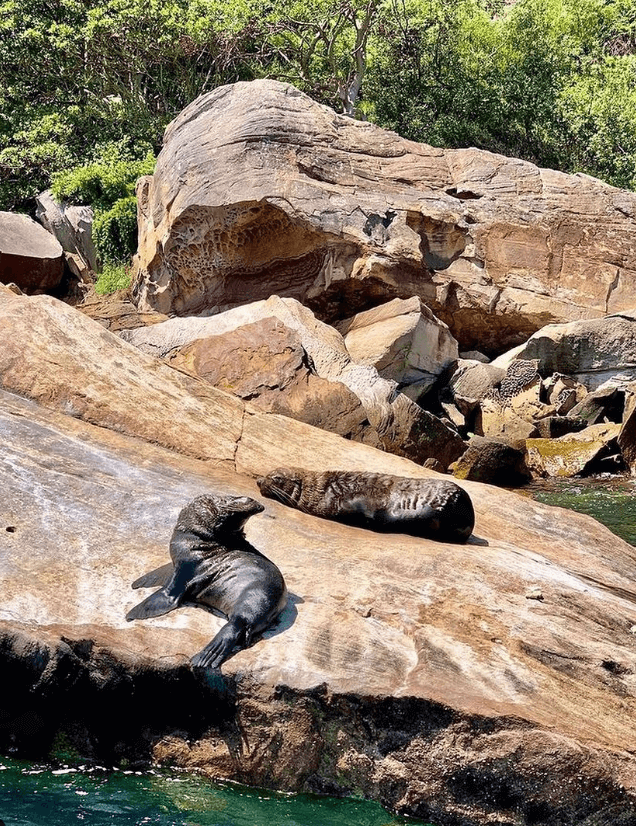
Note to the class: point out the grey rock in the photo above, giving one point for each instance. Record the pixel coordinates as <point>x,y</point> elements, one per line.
<point>30,257</point>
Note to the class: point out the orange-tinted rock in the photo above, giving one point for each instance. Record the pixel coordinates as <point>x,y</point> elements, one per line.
<point>260,190</point>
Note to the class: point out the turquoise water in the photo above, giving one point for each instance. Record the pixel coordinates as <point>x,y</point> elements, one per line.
<point>609,499</point>
<point>34,795</point>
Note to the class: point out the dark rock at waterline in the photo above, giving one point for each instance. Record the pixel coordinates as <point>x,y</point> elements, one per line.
<point>493,462</point>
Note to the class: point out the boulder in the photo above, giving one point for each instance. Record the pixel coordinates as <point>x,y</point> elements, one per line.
<point>73,228</point>
<point>415,672</point>
<point>401,426</point>
<point>590,351</point>
<point>553,427</point>
<point>520,391</point>
<point>404,341</point>
<point>605,404</point>
<point>259,190</point>
<point>419,435</point>
<point>563,392</point>
<point>265,363</point>
<point>30,257</point>
<point>471,382</point>
<point>323,344</point>
<point>475,355</point>
<point>574,453</point>
<point>509,409</point>
<point>499,421</point>
<point>492,462</point>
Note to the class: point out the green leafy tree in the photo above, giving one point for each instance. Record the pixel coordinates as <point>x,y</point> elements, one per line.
<point>323,47</point>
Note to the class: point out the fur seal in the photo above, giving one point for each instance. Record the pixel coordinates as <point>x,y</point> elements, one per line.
<point>215,567</point>
<point>433,508</point>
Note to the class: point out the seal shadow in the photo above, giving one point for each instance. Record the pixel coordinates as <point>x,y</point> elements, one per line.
<point>286,618</point>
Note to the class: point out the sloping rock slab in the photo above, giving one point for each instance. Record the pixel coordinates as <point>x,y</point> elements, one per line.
<point>415,672</point>
<point>260,190</point>
<point>29,255</point>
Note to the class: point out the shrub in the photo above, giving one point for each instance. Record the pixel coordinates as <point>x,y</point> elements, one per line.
<point>113,277</point>
<point>115,231</point>
<point>102,183</point>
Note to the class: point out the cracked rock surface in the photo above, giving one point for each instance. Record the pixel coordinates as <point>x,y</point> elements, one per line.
<point>486,683</point>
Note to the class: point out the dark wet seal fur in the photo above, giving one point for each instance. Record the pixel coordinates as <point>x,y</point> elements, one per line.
<point>215,567</point>
<point>432,508</point>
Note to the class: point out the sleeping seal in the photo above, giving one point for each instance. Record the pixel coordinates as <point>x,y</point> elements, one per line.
<point>433,508</point>
<point>214,566</point>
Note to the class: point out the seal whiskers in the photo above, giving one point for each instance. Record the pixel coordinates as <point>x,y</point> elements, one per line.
<point>433,508</point>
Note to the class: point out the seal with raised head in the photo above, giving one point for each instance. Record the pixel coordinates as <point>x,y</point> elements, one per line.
<point>215,567</point>
<point>432,508</point>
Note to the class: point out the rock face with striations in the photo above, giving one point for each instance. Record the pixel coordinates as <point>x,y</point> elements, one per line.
<point>260,190</point>
<point>475,684</point>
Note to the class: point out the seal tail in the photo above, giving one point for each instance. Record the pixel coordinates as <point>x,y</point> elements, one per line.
<point>231,636</point>
<point>155,605</point>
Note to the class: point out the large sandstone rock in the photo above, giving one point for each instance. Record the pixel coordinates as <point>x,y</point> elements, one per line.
<point>591,351</point>
<point>260,190</point>
<point>425,675</point>
<point>29,255</point>
<point>404,341</point>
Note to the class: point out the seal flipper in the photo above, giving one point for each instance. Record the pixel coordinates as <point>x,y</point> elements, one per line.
<point>155,605</point>
<point>216,652</point>
<point>160,576</point>
<point>168,598</point>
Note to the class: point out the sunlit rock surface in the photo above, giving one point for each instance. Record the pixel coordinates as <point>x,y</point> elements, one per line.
<point>260,190</point>
<point>491,682</point>
<point>30,257</point>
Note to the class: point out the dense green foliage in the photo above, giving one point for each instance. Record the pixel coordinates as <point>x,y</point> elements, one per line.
<point>87,86</point>
<point>109,186</point>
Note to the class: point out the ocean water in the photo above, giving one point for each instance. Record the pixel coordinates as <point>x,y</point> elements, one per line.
<point>39,795</point>
<point>609,499</point>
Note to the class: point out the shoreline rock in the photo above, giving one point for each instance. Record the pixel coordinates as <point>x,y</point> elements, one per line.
<point>419,673</point>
